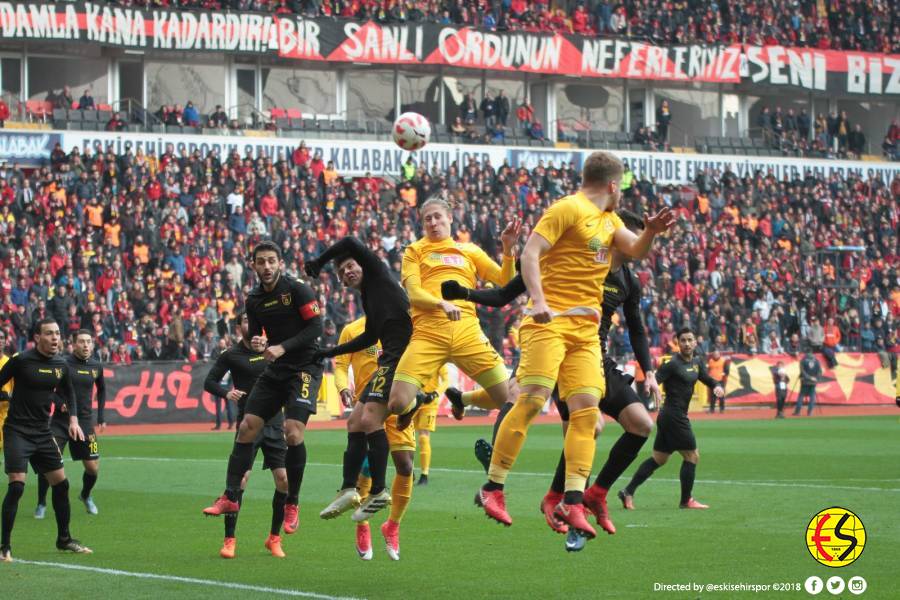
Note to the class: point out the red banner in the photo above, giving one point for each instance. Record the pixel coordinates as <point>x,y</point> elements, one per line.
<point>340,41</point>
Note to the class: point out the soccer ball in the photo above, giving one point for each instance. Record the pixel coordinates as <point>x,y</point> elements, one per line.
<point>411,131</point>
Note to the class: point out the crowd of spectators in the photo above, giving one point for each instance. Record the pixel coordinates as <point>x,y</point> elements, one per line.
<point>150,252</point>
<point>869,25</point>
<point>796,134</point>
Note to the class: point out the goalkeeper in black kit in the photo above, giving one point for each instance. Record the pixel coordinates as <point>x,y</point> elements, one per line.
<point>621,402</point>
<point>678,375</point>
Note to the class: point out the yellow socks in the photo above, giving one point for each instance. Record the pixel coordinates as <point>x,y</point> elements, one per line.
<point>425,453</point>
<point>511,436</point>
<point>479,398</point>
<point>363,486</point>
<point>401,493</point>
<point>579,447</point>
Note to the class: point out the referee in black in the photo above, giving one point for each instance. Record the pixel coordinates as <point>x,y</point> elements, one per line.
<point>86,373</point>
<point>673,428</point>
<point>36,373</point>
<point>387,321</point>
<point>245,365</point>
<point>286,312</point>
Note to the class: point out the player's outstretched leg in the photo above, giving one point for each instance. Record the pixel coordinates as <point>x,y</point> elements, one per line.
<point>40,511</point>
<point>88,481</point>
<point>239,462</point>
<point>229,545</point>
<point>63,511</point>
<point>638,425</point>
<point>378,497</point>
<point>579,446</point>
<point>401,494</point>
<point>645,470</point>
<point>510,439</point>
<point>555,495</point>
<point>279,500</point>
<point>687,475</point>
<point>10,507</point>
<point>363,531</point>
<point>347,497</point>
<point>295,466</point>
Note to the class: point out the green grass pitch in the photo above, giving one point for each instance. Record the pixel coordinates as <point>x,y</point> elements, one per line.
<point>764,480</point>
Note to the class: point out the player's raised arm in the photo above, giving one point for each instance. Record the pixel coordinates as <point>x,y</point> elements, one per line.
<point>348,246</point>
<point>637,246</point>
<point>636,331</point>
<point>452,290</point>
<point>369,337</point>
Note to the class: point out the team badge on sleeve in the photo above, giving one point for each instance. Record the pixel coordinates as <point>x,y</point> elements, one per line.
<point>310,310</point>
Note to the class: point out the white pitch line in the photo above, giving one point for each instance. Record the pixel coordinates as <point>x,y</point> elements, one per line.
<point>760,483</point>
<point>176,578</point>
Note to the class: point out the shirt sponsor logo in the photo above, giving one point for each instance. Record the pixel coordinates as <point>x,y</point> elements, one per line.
<point>256,358</point>
<point>270,304</point>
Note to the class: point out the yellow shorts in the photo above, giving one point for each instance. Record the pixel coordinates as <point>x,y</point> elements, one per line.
<point>4,408</point>
<point>564,352</point>
<point>399,440</point>
<point>435,342</point>
<point>425,418</point>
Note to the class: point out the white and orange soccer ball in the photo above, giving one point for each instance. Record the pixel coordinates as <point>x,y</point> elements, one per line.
<point>411,131</point>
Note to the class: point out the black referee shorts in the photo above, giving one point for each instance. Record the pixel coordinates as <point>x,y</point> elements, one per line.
<point>38,449</point>
<point>619,393</point>
<point>87,449</point>
<point>673,433</point>
<point>294,390</point>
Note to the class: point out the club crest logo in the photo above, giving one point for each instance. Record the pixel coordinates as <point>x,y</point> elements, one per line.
<point>286,299</point>
<point>94,373</point>
<point>58,373</point>
<point>835,537</point>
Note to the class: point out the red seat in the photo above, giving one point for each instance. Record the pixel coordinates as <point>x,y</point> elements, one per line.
<point>277,113</point>
<point>106,107</point>
<point>294,113</point>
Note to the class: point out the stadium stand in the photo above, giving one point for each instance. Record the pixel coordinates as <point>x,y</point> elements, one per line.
<point>150,251</point>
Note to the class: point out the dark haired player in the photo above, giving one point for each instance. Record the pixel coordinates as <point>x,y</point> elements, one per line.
<point>36,373</point>
<point>245,366</point>
<point>621,288</point>
<point>387,320</point>
<point>287,311</point>
<point>673,428</point>
<point>86,373</point>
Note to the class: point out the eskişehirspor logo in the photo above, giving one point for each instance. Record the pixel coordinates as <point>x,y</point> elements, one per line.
<point>835,537</point>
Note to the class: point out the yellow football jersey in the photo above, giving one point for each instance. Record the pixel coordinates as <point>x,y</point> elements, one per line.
<point>364,363</point>
<point>435,262</point>
<point>575,267</point>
